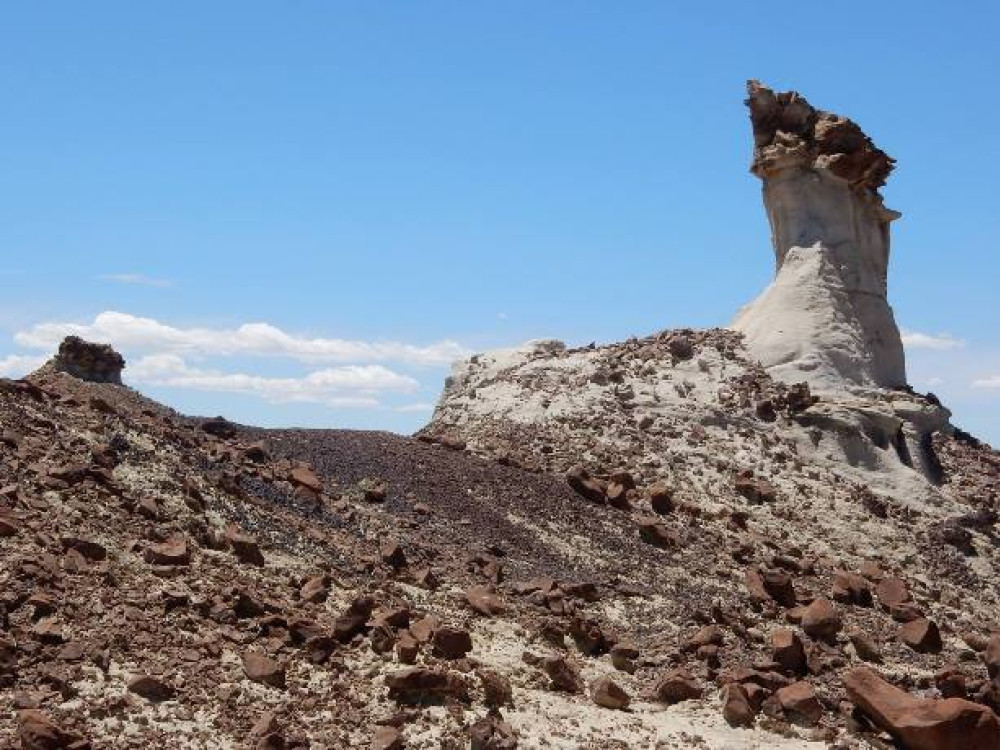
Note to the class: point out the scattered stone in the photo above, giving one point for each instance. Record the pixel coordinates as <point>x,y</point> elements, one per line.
<point>892,591</point>
<point>607,693</point>
<point>491,732</point>
<point>484,601</point>
<point>865,646</point>
<point>779,586</point>
<point>736,707</point>
<point>451,643</point>
<point>820,620</point>
<point>755,490</point>
<point>788,651</point>
<point>38,732</point>
<point>423,684</point>
<point>623,656</point>
<point>244,546</point>
<point>851,588</point>
<point>657,534</point>
<point>564,675</point>
<point>585,485</point>
<point>497,690</point>
<point>354,620</point>
<point>316,589</point>
<point>151,688</point>
<point>387,738</point>
<point>306,477</point>
<point>174,551</point>
<point>677,685</point>
<point>263,669</point>
<point>922,635</point>
<point>391,553</point>
<point>991,656</point>
<point>800,704</point>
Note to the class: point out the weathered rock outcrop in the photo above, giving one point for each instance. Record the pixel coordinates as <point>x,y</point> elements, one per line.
<point>96,363</point>
<point>825,318</point>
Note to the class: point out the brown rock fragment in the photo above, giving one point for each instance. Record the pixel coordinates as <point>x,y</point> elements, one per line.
<point>788,651</point>
<point>387,738</point>
<point>391,553</point>
<point>263,669</point>
<point>820,619</point>
<point>991,656</point>
<point>607,693</point>
<point>799,702</point>
<point>244,546</point>
<point>422,684</point>
<point>484,601</point>
<point>677,685</point>
<point>563,675</point>
<point>921,635</point>
<point>38,732</point>
<point>736,707</point>
<point>892,591</point>
<point>491,732</point>
<point>657,534</point>
<point>151,688</point>
<point>865,646</point>
<point>174,551</point>
<point>451,643</point>
<point>922,723</point>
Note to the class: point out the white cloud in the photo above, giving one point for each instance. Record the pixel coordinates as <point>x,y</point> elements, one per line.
<point>991,382</point>
<point>137,334</point>
<point>937,342</point>
<point>350,385</point>
<point>418,407</point>
<point>19,365</point>
<point>934,381</point>
<point>138,279</point>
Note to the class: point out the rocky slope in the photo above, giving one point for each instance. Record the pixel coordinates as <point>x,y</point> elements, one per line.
<point>192,583</point>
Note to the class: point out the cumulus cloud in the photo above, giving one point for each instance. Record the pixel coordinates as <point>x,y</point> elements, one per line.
<point>991,382</point>
<point>137,279</point>
<point>937,342</point>
<point>350,385</point>
<point>19,365</point>
<point>133,333</point>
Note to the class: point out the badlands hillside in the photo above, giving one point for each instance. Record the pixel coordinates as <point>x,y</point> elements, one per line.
<point>754,537</point>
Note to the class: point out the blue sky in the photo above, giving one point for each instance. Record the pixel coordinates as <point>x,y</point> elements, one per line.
<point>382,186</point>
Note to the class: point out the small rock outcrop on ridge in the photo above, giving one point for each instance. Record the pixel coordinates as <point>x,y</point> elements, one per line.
<point>96,363</point>
<point>825,318</point>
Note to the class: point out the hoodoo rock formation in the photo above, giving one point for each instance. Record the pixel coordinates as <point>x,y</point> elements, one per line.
<point>825,318</point>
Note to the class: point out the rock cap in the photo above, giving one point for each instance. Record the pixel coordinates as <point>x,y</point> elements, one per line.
<point>86,360</point>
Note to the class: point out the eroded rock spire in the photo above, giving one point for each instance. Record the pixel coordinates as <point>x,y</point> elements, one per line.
<point>825,318</point>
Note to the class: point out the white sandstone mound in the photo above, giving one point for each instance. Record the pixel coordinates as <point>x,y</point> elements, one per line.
<point>825,318</point>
